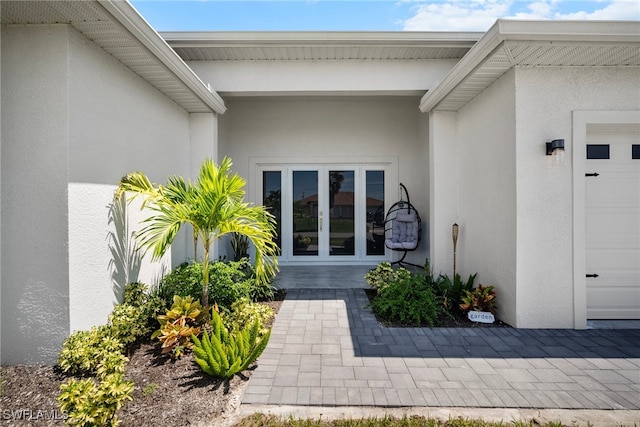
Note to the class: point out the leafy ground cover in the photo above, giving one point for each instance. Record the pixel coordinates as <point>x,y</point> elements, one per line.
<point>167,392</point>
<point>448,320</point>
<point>416,298</point>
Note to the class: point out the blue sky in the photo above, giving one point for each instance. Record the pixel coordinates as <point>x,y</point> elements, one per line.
<point>365,15</point>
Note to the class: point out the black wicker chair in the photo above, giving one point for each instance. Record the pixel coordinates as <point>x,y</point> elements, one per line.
<point>403,228</point>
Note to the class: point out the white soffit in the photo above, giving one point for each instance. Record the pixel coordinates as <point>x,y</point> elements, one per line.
<point>319,46</point>
<point>117,27</point>
<point>535,44</point>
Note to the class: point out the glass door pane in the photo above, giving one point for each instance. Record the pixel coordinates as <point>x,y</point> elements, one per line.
<point>305,212</point>
<point>341,213</point>
<point>375,212</point>
<point>272,200</point>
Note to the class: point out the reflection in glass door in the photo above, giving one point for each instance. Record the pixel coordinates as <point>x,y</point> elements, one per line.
<point>272,200</point>
<point>327,213</point>
<point>305,212</point>
<point>375,189</point>
<point>342,213</point>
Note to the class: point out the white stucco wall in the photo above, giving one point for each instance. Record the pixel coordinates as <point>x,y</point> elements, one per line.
<point>486,175</point>
<point>34,158</point>
<point>323,129</point>
<point>76,121</point>
<point>545,101</point>
<point>443,189</point>
<point>118,123</point>
<point>204,144</point>
<point>513,206</point>
<point>264,77</point>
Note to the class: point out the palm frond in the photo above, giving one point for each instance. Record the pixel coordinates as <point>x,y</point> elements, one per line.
<point>213,205</point>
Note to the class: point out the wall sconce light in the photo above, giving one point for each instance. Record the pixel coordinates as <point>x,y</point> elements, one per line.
<point>555,149</point>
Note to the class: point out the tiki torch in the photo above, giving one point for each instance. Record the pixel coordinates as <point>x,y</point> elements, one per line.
<point>454,233</point>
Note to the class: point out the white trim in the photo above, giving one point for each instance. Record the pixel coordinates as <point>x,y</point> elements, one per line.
<point>335,38</point>
<point>527,32</point>
<point>130,19</point>
<point>361,164</point>
<point>580,121</point>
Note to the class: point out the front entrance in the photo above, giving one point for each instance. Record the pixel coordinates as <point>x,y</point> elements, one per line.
<point>327,213</point>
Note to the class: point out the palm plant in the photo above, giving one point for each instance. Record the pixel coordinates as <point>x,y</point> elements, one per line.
<point>213,205</point>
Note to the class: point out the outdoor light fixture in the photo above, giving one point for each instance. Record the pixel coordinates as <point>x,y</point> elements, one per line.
<point>555,149</point>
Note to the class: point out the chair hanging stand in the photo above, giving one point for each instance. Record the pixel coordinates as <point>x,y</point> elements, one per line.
<point>403,228</point>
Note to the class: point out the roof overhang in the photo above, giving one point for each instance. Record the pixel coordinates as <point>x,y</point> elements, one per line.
<point>511,43</point>
<point>319,46</point>
<point>118,28</point>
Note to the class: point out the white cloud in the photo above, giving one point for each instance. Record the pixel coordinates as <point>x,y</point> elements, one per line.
<point>613,10</point>
<point>469,15</point>
<point>479,15</point>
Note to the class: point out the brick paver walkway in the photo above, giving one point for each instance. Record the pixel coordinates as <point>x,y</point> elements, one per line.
<point>328,349</point>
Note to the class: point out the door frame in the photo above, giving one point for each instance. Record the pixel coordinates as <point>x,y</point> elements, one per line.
<point>580,121</point>
<point>388,163</point>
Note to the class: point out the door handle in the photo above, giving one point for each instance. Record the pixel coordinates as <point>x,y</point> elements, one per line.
<point>320,224</point>
<point>595,276</point>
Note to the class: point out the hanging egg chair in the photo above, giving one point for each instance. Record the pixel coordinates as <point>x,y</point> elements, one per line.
<point>403,227</point>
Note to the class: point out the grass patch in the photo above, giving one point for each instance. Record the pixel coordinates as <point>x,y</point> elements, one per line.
<point>150,389</point>
<point>2,381</point>
<point>260,420</point>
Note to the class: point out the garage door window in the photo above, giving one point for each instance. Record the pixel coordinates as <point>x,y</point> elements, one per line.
<point>598,151</point>
<point>635,151</point>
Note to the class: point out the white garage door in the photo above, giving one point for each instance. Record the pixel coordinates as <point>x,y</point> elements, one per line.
<point>613,222</point>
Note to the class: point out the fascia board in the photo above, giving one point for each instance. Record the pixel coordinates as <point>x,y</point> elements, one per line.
<point>130,19</point>
<point>602,32</point>
<point>571,31</point>
<point>297,38</point>
<point>478,53</point>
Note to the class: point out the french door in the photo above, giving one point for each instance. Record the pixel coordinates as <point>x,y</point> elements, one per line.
<point>327,213</point>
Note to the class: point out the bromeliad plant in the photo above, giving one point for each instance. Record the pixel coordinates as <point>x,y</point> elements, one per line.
<point>481,298</point>
<point>214,206</point>
<point>223,354</point>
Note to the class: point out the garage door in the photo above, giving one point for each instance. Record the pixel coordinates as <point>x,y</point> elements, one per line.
<point>613,222</point>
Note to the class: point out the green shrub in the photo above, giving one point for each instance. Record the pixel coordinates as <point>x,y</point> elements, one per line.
<point>128,323</point>
<point>224,353</point>
<point>381,276</point>
<point>409,301</point>
<point>149,304</point>
<point>89,404</point>
<point>135,294</point>
<point>261,291</point>
<point>185,280</point>
<point>452,292</point>
<point>228,281</point>
<point>244,313</point>
<point>83,351</point>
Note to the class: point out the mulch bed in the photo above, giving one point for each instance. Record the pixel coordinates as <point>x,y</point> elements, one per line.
<point>167,392</point>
